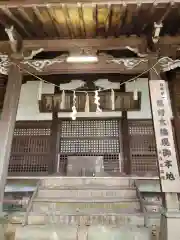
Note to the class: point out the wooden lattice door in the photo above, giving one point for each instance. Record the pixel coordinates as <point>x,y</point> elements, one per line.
<point>30,154</point>
<point>142,147</point>
<point>91,138</point>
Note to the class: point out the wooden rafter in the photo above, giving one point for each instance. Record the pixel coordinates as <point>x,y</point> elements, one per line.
<point>69,19</point>
<point>13,18</point>
<point>29,3</point>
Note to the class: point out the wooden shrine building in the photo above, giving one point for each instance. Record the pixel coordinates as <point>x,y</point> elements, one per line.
<point>87,80</point>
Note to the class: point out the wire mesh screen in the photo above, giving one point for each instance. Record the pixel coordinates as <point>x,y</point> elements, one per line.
<point>30,153</point>
<point>90,128</point>
<point>90,146</point>
<point>91,138</point>
<point>143,147</point>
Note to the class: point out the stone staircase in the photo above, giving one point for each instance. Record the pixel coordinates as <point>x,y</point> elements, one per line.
<point>85,208</point>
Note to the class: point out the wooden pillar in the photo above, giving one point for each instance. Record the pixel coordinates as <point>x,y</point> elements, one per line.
<point>7,123</point>
<point>54,143</point>
<point>174,88</point>
<point>125,139</point>
<point>162,114</point>
<point>54,138</point>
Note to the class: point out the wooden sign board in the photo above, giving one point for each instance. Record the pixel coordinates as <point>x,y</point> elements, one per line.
<point>167,160</point>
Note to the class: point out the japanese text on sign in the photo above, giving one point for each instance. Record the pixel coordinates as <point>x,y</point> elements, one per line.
<point>164,139</point>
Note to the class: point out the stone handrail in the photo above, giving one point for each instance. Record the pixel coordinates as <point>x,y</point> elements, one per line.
<point>142,206</point>
<point>30,204</point>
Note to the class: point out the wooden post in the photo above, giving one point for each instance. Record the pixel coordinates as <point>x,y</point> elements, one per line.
<point>125,139</point>
<point>166,155</point>
<point>54,153</point>
<point>7,124</point>
<point>54,143</point>
<point>174,88</point>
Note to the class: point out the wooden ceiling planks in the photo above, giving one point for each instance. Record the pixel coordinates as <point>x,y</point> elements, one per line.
<point>102,19</point>
<point>27,19</point>
<point>75,21</point>
<point>143,16</point>
<point>29,3</point>
<point>61,21</point>
<point>126,28</point>
<point>7,12</point>
<point>54,22</point>
<point>82,20</point>
<point>117,13</point>
<point>89,20</point>
<point>45,20</point>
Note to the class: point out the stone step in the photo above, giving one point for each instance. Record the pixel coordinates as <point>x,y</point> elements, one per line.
<point>90,208</point>
<point>136,219</point>
<point>86,193</point>
<point>86,181</point>
<point>65,232</point>
<point>70,211</point>
<point>85,200</point>
<point>86,207</point>
<point>86,187</point>
<point>78,219</point>
<point>61,204</point>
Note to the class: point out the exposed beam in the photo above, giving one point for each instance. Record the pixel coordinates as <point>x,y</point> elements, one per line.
<point>167,45</point>
<point>96,44</point>
<point>125,66</point>
<point>70,44</point>
<point>169,40</point>
<point>29,3</point>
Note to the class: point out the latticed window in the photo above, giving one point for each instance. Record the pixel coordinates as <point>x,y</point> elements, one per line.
<point>30,149</point>
<point>94,137</point>
<point>143,147</point>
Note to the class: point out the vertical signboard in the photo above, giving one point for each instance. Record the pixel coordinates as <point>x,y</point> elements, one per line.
<point>167,160</point>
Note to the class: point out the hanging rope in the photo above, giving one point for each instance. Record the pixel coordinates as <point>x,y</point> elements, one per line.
<point>96,92</point>
<point>129,80</point>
